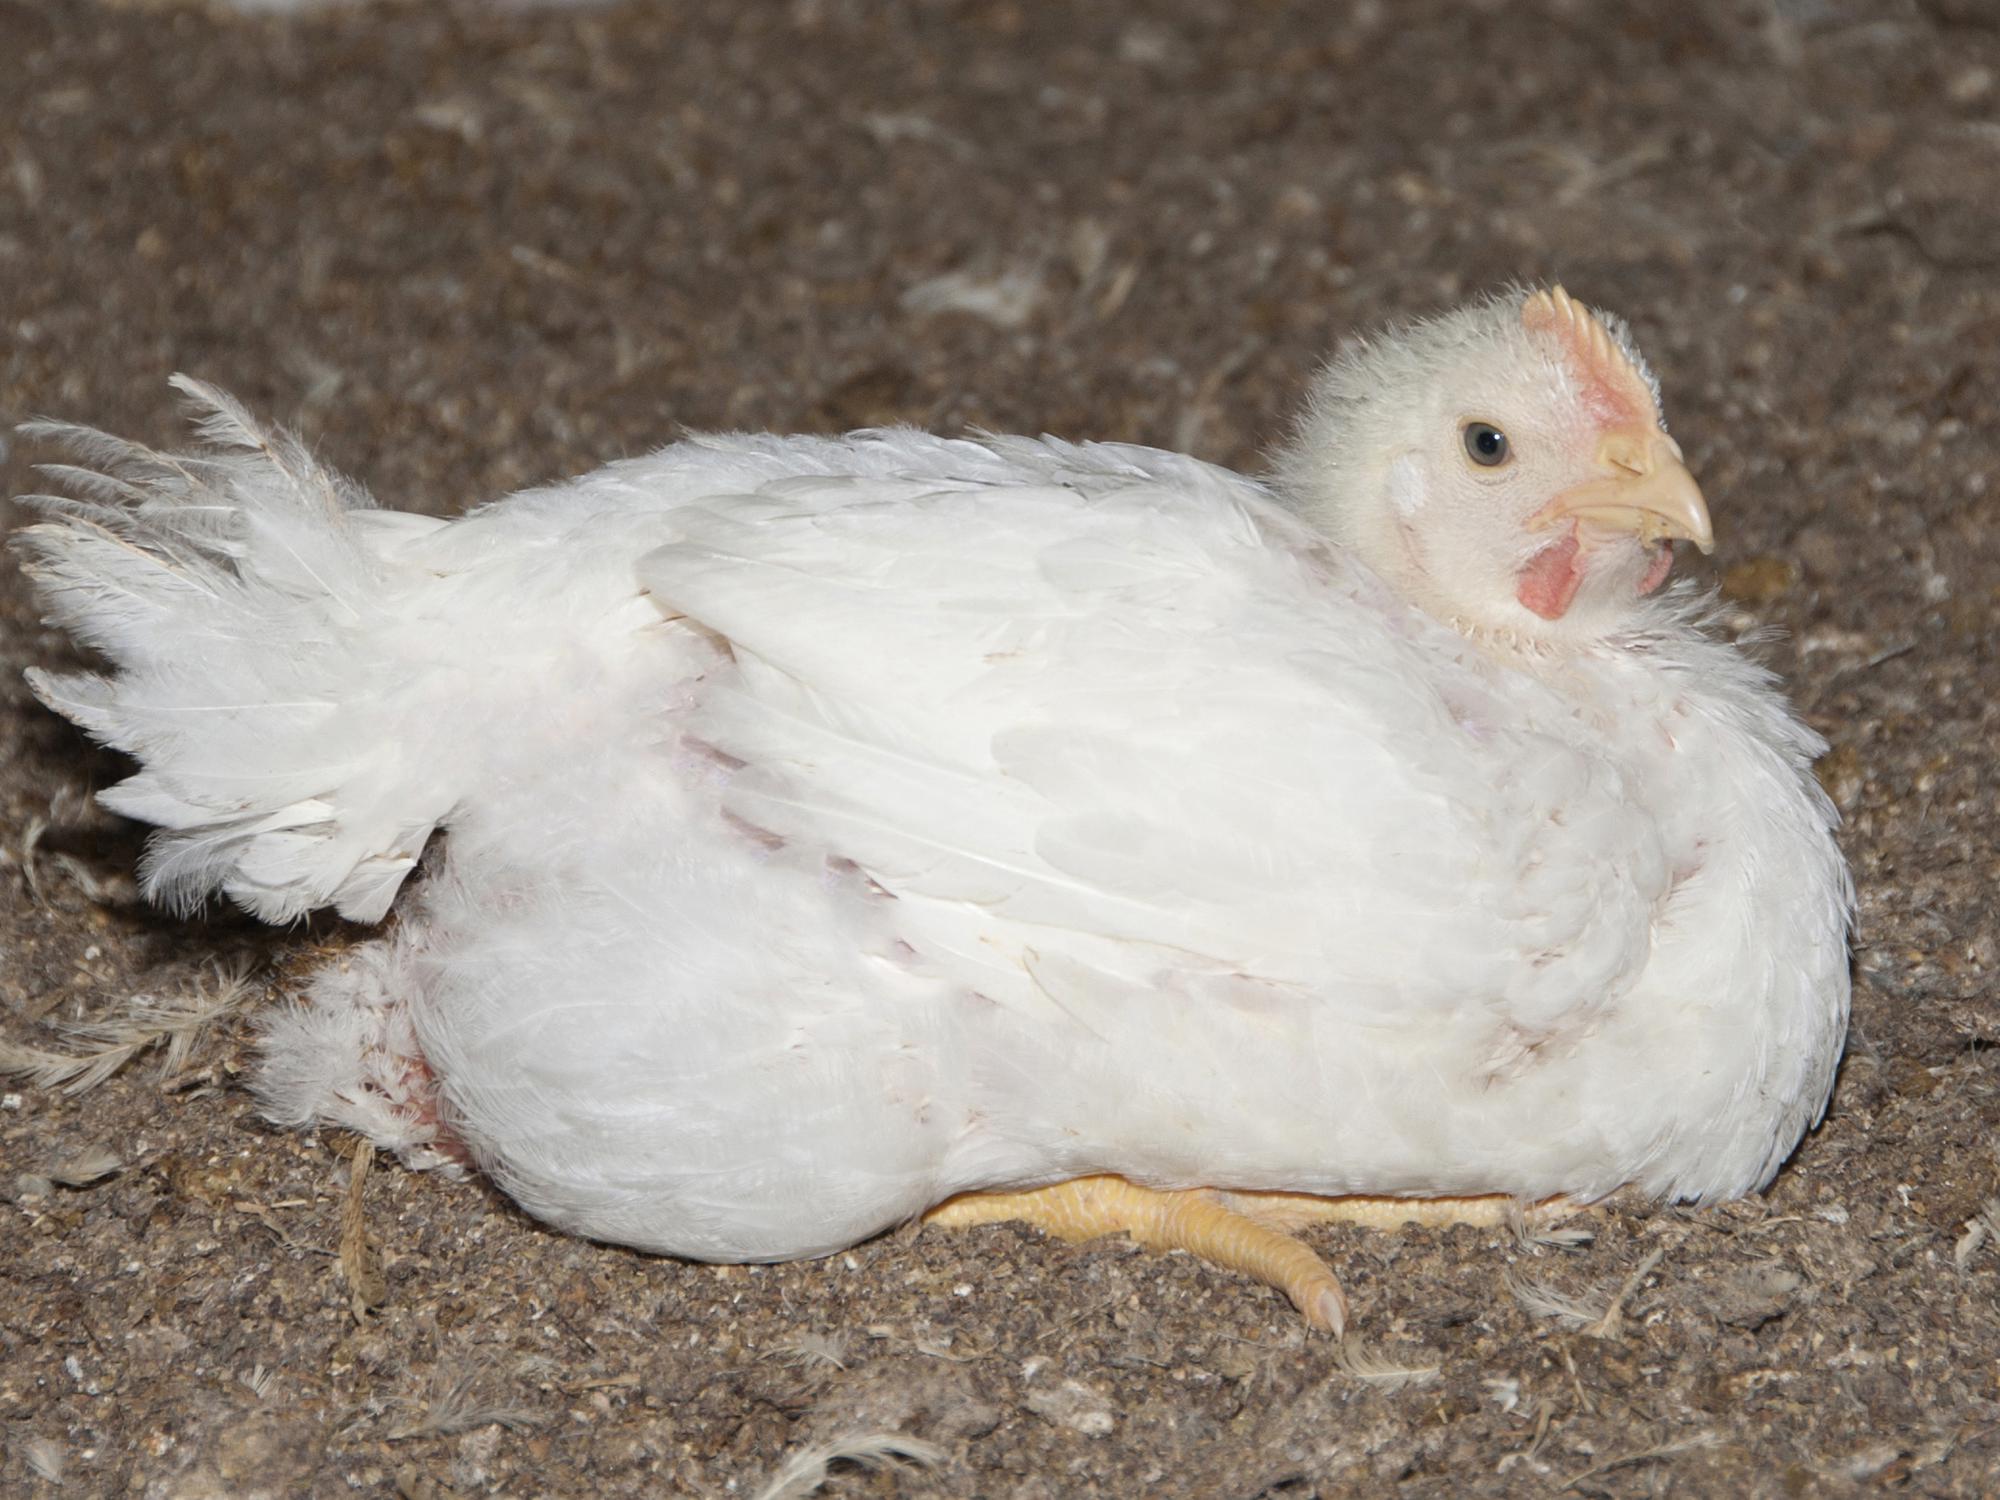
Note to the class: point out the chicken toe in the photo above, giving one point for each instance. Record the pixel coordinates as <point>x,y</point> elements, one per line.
<point>1202,1222</point>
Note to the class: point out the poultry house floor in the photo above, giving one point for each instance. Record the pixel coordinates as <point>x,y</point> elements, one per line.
<point>467,246</point>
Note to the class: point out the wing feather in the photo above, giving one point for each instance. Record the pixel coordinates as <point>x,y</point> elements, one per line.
<point>1137,722</point>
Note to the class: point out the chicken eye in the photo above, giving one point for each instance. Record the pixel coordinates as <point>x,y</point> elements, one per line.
<point>1485,444</point>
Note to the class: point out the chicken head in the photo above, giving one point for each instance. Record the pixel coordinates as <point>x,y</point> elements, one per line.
<point>1503,466</point>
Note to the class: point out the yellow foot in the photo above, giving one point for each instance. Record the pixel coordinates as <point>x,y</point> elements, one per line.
<point>1246,1232</point>
<point>1199,1222</point>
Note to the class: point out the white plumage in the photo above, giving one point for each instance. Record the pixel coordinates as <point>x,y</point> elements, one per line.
<point>836,825</point>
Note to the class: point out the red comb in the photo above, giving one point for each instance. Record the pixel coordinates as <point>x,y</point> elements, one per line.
<point>1612,386</point>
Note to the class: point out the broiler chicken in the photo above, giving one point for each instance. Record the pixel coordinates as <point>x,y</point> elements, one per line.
<point>842,828</point>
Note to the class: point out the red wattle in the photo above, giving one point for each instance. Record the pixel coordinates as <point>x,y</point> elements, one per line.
<point>1550,581</point>
<point>1663,564</point>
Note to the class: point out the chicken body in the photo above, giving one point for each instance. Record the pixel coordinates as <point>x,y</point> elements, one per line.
<point>838,825</point>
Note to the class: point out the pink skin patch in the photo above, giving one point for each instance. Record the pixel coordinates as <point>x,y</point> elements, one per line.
<point>423,1084</point>
<point>1549,583</point>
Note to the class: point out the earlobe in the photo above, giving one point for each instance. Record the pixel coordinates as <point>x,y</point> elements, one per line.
<point>1406,485</point>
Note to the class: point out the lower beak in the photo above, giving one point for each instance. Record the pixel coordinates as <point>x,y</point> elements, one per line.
<point>1646,492</point>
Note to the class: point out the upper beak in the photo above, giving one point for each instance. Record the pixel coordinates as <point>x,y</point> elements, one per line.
<point>1646,491</point>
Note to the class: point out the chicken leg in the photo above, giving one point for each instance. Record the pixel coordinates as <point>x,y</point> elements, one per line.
<point>1250,1232</point>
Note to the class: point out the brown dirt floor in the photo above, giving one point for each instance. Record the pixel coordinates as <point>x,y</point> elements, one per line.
<point>464,247</point>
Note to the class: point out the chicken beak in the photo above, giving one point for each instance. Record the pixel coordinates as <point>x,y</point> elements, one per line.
<point>1646,492</point>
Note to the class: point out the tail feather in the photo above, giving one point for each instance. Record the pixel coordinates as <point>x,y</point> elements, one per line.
<point>256,672</point>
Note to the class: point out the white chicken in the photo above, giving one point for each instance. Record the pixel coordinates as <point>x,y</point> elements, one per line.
<point>839,828</point>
